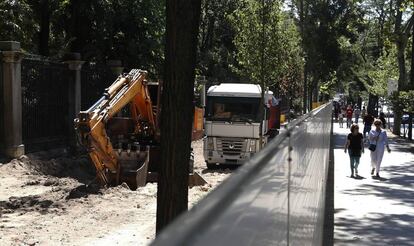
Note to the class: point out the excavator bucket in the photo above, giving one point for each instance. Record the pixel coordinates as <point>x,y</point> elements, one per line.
<point>133,165</point>
<point>121,132</point>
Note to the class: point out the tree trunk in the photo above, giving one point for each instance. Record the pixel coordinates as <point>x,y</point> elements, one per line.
<point>305,89</point>
<point>397,122</point>
<point>411,85</point>
<point>79,25</point>
<point>410,126</point>
<point>401,63</point>
<point>262,72</point>
<point>305,73</point>
<point>372,105</point>
<point>182,18</point>
<point>44,27</point>
<point>310,96</point>
<point>315,93</point>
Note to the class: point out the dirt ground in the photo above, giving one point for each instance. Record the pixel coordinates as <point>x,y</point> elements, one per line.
<point>48,199</point>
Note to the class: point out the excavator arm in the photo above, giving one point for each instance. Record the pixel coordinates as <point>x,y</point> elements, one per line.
<point>122,148</point>
<point>129,89</point>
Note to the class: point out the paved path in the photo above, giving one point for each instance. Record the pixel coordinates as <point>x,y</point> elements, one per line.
<point>374,211</point>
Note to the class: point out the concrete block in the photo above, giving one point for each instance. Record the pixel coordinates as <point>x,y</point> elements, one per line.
<point>15,151</point>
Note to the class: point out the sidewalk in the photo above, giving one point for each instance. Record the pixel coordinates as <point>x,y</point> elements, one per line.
<point>374,211</point>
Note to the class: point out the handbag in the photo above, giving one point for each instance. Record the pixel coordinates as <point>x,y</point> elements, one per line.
<point>373,147</point>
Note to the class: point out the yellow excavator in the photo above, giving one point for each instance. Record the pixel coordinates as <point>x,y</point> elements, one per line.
<point>121,132</point>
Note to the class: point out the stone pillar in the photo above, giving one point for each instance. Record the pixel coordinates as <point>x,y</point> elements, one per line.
<point>11,99</point>
<point>74,90</point>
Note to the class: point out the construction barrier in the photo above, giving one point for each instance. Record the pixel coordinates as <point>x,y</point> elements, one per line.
<point>275,198</point>
<point>282,118</point>
<point>198,123</point>
<point>316,104</point>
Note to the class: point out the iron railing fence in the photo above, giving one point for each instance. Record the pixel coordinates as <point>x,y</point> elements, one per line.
<point>276,198</point>
<point>44,102</point>
<point>45,98</point>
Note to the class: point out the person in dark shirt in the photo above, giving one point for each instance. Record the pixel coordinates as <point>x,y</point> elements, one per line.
<point>355,147</point>
<point>349,113</point>
<point>368,120</point>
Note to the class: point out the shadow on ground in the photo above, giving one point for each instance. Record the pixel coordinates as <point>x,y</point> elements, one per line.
<point>4,159</point>
<point>387,227</point>
<point>221,169</point>
<point>381,229</point>
<point>339,140</point>
<point>397,188</point>
<point>84,191</point>
<point>26,204</point>
<point>401,145</point>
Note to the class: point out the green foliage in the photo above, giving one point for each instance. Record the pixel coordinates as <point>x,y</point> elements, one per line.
<point>136,32</point>
<point>329,30</point>
<point>16,22</point>
<point>128,30</point>
<point>403,101</point>
<point>383,69</point>
<point>368,63</point>
<point>346,45</point>
<point>269,52</point>
<point>351,73</point>
<point>216,51</point>
<point>328,87</point>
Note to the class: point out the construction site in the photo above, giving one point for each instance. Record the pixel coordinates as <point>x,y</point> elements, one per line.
<point>49,198</point>
<point>206,122</point>
<point>68,185</point>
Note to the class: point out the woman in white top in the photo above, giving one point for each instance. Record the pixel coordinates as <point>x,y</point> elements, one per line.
<point>379,138</point>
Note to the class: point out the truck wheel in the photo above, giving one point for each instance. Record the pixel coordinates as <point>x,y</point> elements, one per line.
<point>211,165</point>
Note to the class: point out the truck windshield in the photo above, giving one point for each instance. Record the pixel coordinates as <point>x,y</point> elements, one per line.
<point>234,109</point>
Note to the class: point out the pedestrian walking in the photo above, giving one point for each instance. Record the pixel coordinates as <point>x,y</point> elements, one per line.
<point>357,113</point>
<point>349,113</point>
<point>355,147</point>
<point>341,120</point>
<point>367,120</point>
<point>378,141</point>
<point>363,112</point>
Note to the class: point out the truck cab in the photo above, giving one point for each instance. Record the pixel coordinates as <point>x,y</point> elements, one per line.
<point>232,123</point>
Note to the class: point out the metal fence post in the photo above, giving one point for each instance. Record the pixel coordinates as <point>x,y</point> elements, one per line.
<point>11,99</point>
<point>75,65</point>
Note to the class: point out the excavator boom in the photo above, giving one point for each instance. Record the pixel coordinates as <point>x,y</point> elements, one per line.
<point>121,148</point>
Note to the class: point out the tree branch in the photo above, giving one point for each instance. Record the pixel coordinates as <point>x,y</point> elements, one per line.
<point>409,25</point>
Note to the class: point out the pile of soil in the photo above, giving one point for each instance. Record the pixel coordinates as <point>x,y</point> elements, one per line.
<point>51,198</point>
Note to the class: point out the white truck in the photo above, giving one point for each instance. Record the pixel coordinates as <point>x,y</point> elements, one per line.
<point>232,123</point>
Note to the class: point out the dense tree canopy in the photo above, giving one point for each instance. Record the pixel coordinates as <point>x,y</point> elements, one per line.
<point>299,47</point>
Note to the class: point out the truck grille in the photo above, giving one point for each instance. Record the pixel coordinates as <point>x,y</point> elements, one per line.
<point>231,146</point>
